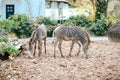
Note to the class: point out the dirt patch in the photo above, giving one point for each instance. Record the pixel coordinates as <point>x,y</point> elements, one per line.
<point>103,64</point>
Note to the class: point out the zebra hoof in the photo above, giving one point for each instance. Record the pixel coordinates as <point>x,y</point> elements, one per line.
<point>86,57</point>
<point>62,56</point>
<point>70,55</point>
<point>77,55</point>
<point>54,56</point>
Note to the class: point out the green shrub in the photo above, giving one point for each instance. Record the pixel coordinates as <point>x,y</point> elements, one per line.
<point>46,20</point>
<point>3,35</point>
<point>24,27</point>
<point>50,30</point>
<point>8,50</point>
<point>101,27</point>
<point>21,25</point>
<point>81,20</point>
<point>7,25</point>
<point>3,39</point>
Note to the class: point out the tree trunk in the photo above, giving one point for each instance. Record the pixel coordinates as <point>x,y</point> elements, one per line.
<point>101,9</point>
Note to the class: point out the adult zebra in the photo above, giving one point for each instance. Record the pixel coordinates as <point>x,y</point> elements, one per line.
<point>71,33</point>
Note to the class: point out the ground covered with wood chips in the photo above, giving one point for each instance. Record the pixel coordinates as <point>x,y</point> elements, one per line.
<point>103,64</point>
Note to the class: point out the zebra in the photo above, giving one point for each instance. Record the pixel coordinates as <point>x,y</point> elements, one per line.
<point>39,34</point>
<point>71,33</point>
<point>114,32</point>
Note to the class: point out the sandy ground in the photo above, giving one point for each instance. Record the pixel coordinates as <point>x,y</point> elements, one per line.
<point>103,64</point>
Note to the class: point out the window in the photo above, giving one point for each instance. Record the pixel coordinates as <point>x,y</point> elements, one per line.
<point>48,4</point>
<point>9,10</point>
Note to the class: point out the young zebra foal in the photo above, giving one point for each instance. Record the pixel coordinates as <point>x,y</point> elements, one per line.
<point>39,34</point>
<point>75,34</point>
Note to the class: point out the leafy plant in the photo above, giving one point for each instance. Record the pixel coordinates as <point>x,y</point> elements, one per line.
<point>3,36</point>
<point>21,25</point>
<point>24,26</point>
<point>3,39</point>
<point>8,50</point>
<point>101,27</point>
<point>81,20</point>
<point>50,31</point>
<point>46,20</point>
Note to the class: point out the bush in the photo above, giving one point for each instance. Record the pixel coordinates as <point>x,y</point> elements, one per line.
<point>101,27</point>
<point>8,50</point>
<point>3,35</point>
<point>24,27</point>
<point>46,20</point>
<point>3,39</point>
<point>21,25</point>
<point>7,25</point>
<point>50,30</point>
<point>81,20</point>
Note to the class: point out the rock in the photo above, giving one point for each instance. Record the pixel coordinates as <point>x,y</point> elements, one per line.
<point>114,32</point>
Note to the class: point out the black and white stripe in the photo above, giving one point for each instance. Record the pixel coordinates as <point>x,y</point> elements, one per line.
<point>75,34</point>
<point>39,34</point>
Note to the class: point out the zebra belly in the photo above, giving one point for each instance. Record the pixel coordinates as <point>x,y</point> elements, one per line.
<point>68,38</point>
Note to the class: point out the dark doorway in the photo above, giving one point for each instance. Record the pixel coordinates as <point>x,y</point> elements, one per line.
<point>9,10</point>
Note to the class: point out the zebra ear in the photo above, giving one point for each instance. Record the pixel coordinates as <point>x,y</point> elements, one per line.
<point>36,25</point>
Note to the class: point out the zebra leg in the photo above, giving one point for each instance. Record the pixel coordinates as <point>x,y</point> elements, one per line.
<point>39,47</point>
<point>31,51</point>
<point>31,44</point>
<point>35,44</point>
<point>59,45</point>
<point>55,44</point>
<point>85,49</point>
<point>79,48</point>
<point>71,48</point>
<point>45,45</point>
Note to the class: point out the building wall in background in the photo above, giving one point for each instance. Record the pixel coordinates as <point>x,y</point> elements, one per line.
<point>33,8</point>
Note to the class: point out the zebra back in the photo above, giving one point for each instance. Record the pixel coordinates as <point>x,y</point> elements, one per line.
<point>72,32</point>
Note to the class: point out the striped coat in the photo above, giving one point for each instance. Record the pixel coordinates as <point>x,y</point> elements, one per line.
<point>39,34</point>
<point>75,34</point>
